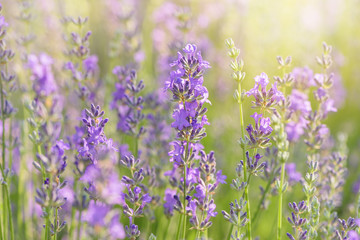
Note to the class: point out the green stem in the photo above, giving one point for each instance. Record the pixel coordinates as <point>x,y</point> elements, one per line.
<point>4,207</point>
<point>55,224</point>
<point>9,181</point>
<point>262,200</point>
<point>47,224</point>
<point>3,158</point>
<point>48,212</point>
<point>41,164</point>
<point>166,229</point>
<point>280,201</point>
<point>179,227</point>
<point>11,146</point>
<point>230,232</point>
<point>185,169</point>
<point>10,213</point>
<point>1,233</point>
<point>197,237</point>
<point>246,192</point>
<point>358,207</point>
<point>184,200</point>
<point>79,226</point>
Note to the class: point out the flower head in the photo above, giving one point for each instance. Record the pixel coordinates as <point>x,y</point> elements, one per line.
<point>265,99</point>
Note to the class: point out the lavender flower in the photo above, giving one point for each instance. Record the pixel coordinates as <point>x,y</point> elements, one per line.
<point>253,166</point>
<point>81,65</point>
<point>259,134</point>
<point>303,78</point>
<point>49,196</point>
<point>185,84</point>
<point>100,216</point>
<point>94,161</point>
<point>293,175</point>
<point>297,221</point>
<point>265,100</point>
<point>202,201</point>
<point>128,103</point>
<point>136,198</point>
<point>42,76</point>
<point>345,226</point>
<point>237,217</point>
<point>95,144</point>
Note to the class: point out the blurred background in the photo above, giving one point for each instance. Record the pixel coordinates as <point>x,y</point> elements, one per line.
<point>148,32</point>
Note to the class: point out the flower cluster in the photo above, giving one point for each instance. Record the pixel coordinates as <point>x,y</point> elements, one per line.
<point>52,164</point>
<point>265,100</point>
<point>207,182</point>
<point>94,144</point>
<point>259,134</point>
<point>42,76</point>
<point>186,86</point>
<point>94,164</point>
<point>127,102</point>
<point>81,65</point>
<point>297,221</point>
<point>136,198</point>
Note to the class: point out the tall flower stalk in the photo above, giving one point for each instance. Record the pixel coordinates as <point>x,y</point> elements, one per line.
<point>7,111</point>
<point>129,104</point>
<point>281,137</point>
<point>186,86</point>
<point>238,75</point>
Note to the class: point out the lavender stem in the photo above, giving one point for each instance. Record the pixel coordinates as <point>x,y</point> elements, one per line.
<point>280,201</point>
<point>184,200</point>
<point>230,232</point>
<point>179,227</point>
<point>55,223</point>
<point>244,169</point>
<point>78,235</point>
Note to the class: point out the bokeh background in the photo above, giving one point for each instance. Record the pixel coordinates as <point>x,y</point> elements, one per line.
<point>261,29</point>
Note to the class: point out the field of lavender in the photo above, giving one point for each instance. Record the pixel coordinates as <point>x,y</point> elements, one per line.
<point>172,119</point>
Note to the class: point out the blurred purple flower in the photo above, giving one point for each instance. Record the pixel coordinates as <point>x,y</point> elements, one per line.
<point>96,213</point>
<point>353,235</point>
<point>293,175</point>
<point>303,78</point>
<point>90,64</point>
<point>42,76</point>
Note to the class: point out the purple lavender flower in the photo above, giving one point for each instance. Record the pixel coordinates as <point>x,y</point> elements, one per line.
<point>169,201</point>
<point>42,76</point>
<point>128,103</point>
<point>259,135</point>
<point>95,145</point>
<point>295,130</point>
<point>353,235</point>
<point>180,118</point>
<point>297,221</point>
<point>186,86</point>
<point>202,206</point>
<point>253,166</point>
<point>52,164</point>
<point>345,226</point>
<point>100,216</point>
<point>303,78</point>
<point>237,216</point>
<point>90,64</point>
<point>265,100</point>
<point>137,197</point>
<point>293,175</point>
<point>356,186</point>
